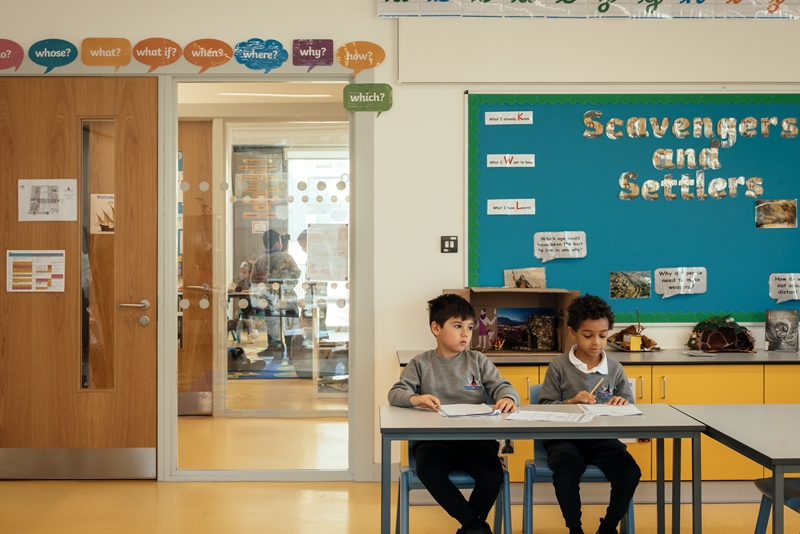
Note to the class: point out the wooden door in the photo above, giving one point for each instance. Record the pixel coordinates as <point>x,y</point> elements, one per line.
<point>195,353</point>
<point>78,371</point>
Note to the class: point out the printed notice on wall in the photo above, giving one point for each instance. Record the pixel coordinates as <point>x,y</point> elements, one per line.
<point>102,217</point>
<point>48,200</point>
<point>672,281</point>
<point>784,286</point>
<point>553,245</point>
<point>511,206</point>
<point>35,271</point>
<point>328,252</point>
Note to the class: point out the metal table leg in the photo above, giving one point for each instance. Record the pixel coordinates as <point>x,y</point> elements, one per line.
<point>777,501</point>
<point>676,486</point>
<point>386,484</point>
<point>697,484</point>
<point>660,493</point>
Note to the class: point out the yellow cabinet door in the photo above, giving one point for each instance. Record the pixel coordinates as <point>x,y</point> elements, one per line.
<point>709,384</point>
<point>522,378</point>
<point>641,450</point>
<point>781,384</point>
<point>780,387</point>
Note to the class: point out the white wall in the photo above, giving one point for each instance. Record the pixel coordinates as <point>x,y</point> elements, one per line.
<point>419,144</point>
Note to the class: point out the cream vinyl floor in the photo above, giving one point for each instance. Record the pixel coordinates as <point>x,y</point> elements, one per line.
<point>259,443</point>
<point>120,507</point>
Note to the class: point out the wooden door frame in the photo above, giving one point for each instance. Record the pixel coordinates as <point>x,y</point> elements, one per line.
<point>362,439</point>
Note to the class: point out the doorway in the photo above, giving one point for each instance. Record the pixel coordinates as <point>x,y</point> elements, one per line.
<point>263,298</point>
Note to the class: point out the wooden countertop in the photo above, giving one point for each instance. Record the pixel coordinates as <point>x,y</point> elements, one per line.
<point>665,357</point>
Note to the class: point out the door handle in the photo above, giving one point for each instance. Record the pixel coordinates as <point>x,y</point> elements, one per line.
<point>143,305</point>
<point>528,391</point>
<point>641,387</point>
<point>664,380</point>
<point>204,287</point>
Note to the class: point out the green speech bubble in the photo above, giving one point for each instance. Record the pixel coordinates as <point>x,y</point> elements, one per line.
<point>368,97</point>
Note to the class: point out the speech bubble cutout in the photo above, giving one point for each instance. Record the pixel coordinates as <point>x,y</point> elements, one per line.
<point>106,52</point>
<point>157,52</point>
<point>784,286</point>
<point>257,54</point>
<point>360,55</point>
<point>553,245</point>
<point>11,54</point>
<point>52,53</point>
<point>312,53</point>
<point>207,53</point>
<point>367,97</point>
<point>671,281</point>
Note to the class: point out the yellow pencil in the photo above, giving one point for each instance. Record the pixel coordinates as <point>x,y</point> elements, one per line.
<point>595,387</point>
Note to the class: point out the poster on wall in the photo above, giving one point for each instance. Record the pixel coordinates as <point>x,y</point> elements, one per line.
<point>686,199</point>
<point>102,215</point>
<point>328,252</point>
<point>48,200</point>
<point>35,271</point>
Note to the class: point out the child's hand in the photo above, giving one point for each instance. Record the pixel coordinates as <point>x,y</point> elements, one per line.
<point>583,397</point>
<point>426,401</point>
<point>617,401</point>
<point>506,405</point>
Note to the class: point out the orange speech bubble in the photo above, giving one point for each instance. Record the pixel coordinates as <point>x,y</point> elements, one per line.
<point>106,52</point>
<point>207,53</point>
<point>157,52</point>
<point>360,55</point>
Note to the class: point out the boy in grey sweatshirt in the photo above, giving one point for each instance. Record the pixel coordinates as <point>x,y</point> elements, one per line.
<point>453,374</point>
<point>569,380</point>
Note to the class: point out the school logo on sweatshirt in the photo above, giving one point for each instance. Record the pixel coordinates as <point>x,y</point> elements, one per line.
<point>605,393</point>
<point>473,385</point>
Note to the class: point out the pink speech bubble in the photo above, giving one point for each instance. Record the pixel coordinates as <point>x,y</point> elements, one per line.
<point>11,55</point>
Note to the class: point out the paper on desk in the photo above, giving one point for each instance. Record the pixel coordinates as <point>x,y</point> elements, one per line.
<point>553,417</point>
<point>608,409</point>
<point>466,410</point>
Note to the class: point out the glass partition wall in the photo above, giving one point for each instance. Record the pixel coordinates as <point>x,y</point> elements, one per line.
<point>263,303</point>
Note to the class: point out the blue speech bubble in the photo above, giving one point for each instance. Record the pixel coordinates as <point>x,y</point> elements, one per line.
<point>52,53</point>
<point>257,54</point>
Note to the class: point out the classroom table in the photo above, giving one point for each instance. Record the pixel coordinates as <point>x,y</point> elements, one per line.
<point>659,421</point>
<point>765,433</point>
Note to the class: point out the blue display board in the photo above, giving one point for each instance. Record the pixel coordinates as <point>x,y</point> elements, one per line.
<point>580,154</point>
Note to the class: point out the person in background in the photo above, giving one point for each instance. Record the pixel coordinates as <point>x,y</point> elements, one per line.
<point>274,268</point>
<point>244,315</point>
<point>570,378</point>
<point>454,374</point>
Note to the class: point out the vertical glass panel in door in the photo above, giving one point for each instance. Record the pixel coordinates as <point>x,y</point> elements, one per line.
<point>97,191</point>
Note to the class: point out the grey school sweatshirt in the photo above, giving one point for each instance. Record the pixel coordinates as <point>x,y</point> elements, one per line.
<point>563,381</point>
<point>458,380</point>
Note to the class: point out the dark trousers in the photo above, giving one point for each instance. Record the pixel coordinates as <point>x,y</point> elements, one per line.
<point>568,460</point>
<point>435,460</point>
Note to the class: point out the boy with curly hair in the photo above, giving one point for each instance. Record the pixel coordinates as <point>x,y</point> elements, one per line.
<point>570,378</point>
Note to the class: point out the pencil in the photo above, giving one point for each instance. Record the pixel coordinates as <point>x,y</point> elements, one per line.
<point>595,387</point>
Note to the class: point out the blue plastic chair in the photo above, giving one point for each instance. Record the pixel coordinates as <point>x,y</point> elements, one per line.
<point>791,498</point>
<point>537,470</point>
<point>409,481</point>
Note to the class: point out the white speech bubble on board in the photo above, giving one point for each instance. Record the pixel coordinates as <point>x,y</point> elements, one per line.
<point>784,286</point>
<point>671,281</point>
<point>553,245</point>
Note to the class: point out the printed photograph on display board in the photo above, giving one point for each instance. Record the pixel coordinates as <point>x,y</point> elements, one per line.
<point>679,182</point>
<point>776,213</point>
<point>629,285</point>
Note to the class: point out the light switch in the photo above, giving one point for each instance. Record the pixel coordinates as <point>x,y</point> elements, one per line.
<point>449,243</point>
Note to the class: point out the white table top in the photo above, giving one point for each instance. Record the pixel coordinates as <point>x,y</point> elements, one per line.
<point>658,420</point>
<point>767,433</point>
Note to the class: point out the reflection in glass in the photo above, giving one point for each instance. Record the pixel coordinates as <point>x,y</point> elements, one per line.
<point>98,219</point>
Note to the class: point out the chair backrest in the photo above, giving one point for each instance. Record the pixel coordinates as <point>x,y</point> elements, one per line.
<point>533,393</point>
<point>538,448</point>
